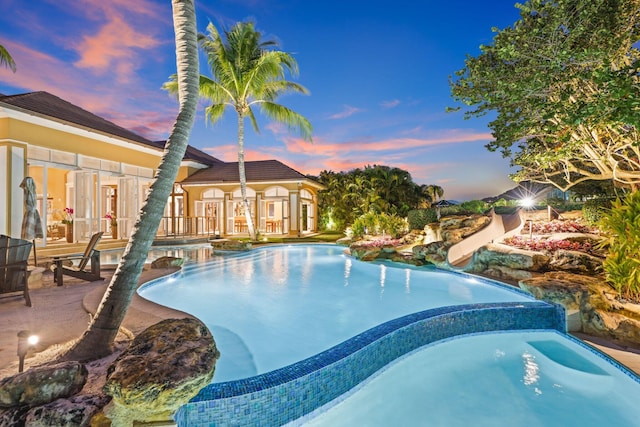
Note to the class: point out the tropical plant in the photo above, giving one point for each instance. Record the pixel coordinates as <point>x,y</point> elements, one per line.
<point>6,59</point>
<point>593,209</point>
<point>97,340</point>
<point>374,224</point>
<point>621,228</point>
<point>419,218</point>
<point>563,81</point>
<point>377,188</point>
<point>474,206</point>
<point>247,72</point>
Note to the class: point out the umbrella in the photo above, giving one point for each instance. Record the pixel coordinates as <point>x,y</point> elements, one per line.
<point>31,222</point>
<point>442,203</point>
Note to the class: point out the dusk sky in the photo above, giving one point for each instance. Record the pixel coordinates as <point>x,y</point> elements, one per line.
<point>377,72</point>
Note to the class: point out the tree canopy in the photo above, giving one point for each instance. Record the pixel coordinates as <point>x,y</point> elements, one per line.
<point>377,189</point>
<point>561,84</point>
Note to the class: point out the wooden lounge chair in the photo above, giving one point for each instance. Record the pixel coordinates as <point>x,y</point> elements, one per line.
<point>66,265</point>
<point>14,275</point>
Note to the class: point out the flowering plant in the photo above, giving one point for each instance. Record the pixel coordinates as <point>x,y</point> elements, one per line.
<point>112,219</point>
<point>548,245</point>
<point>68,218</point>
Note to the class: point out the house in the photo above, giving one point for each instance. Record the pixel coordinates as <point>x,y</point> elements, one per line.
<point>95,168</point>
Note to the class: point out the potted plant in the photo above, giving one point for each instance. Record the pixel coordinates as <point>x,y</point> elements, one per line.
<point>68,222</point>
<point>113,222</point>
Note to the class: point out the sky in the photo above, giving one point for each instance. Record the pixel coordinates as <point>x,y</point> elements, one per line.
<point>377,72</point>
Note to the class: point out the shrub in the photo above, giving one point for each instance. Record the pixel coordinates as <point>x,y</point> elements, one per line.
<point>474,206</point>
<point>592,210</point>
<point>621,227</point>
<point>376,224</point>
<point>420,217</point>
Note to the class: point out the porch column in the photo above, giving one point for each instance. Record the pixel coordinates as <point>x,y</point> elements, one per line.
<point>13,160</point>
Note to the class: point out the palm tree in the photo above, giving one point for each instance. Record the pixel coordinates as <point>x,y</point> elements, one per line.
<point>247,73</point>
<point>97,340</point>
<point>6,59</point>
<point>433,191</point>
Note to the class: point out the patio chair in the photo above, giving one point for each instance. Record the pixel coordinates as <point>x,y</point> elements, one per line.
<point>66,265</point>
<point>14,274</point>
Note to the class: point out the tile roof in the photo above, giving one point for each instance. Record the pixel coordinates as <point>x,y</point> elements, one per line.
<point>46,104</point>
<point>262,170</point>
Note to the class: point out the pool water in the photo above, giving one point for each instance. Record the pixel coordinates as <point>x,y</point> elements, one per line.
<point>276,314</point>
<point>275,306</point>
<point>532,379</point>
<point>190,253</point>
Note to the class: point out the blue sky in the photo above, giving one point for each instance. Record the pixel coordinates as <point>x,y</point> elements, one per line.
<point>377,72</point>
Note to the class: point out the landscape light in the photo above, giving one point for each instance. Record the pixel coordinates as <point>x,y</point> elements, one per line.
<point>527,202</point>
<point>25,342</point>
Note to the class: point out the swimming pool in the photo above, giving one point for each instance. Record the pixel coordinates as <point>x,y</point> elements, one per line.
<point>257,304</point>
<point>300,326</point>
<point>539,379</point>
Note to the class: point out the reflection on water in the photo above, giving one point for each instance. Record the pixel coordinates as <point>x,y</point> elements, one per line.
<point>190,253</point>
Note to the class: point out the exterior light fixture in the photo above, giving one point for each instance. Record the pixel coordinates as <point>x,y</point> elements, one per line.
<point>26,341</point>
<point>527,202</point>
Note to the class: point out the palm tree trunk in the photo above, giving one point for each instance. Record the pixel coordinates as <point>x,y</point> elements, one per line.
<point>97,340</point>
<point>243,178</point>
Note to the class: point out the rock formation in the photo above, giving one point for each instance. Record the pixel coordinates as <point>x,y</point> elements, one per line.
<point>165,366</point>
<point>42,384</point>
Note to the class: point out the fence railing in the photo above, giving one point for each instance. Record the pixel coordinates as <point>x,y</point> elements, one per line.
<point>188,226</point>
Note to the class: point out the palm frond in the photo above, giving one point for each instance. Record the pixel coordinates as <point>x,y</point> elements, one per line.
<point>293,120</point>
<point>214,112</point>
<point>6,59</point>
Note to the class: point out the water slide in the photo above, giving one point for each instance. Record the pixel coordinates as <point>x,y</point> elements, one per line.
<point>501,226</point>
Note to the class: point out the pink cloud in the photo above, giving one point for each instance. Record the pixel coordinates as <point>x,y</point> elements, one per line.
<point>347,111</point>
<point>116,46</point>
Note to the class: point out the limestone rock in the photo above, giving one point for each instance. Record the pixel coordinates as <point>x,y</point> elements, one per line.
<point>167,261</point>
<point>435,253</point>
<point>493,255</point>
<point>455,228</point>
<point>13,416</point>
<point>344,241</point>
<point>364,252</point>
<point>165,366</point>
<point>575,262</point>
<point>506,273</point>
<point>42,384</point>
<point>230,245</point>
<point>601,314</point>
<point>71,412</point>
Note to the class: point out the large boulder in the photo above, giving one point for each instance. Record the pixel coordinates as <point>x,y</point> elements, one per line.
<point>167,262</point>
<point>600,312</point>
<point>575,262</point>
<point>434,253</point>
<point>165,366</point>
<point>497,255</point>
<point>230,245</point>
<point>455,228</point>
<point>43,384</point>
<point>74,411</point>
<point>364,252</point>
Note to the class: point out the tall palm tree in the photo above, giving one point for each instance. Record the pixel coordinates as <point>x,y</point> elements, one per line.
<point>97,341</point>
<point>6,59</point>
<point>247,72</point>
